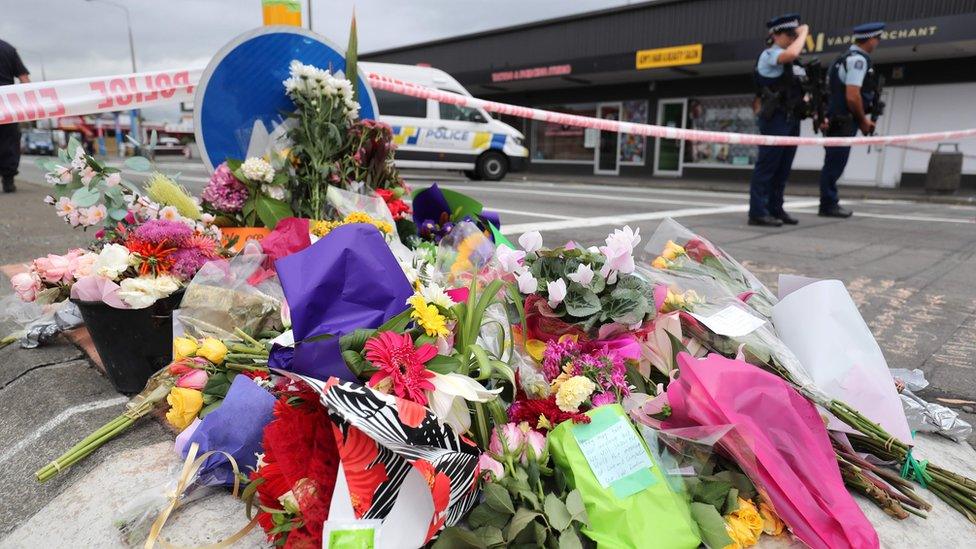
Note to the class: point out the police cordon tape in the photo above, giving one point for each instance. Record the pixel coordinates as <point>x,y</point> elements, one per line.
<point>81,96</point>
<point>406,88</point>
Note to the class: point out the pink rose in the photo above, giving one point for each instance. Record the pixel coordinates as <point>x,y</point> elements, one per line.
<point>490,465</point>
<point>26,285</point>
<point>699,249</point>
<point>506,439</point>
<point>535,442</point>
<point>81,262</point>
<point>194,379</point>
<point>54,269</point>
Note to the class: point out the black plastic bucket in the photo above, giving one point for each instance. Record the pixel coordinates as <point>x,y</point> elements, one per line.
<point>132,343</point>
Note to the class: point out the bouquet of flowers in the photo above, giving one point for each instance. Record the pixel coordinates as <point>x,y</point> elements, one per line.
<point>678,250</point>
<point>247,194</point>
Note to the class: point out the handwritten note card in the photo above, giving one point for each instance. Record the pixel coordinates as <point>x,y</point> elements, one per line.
<point>615,454</point>
<point>731,322</point>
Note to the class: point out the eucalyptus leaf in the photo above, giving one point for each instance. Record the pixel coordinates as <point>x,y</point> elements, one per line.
<point>137,163</point>
<point>118,214</point>
<point>85,197</point>
<point>557,513</point>
<point>72,148</point>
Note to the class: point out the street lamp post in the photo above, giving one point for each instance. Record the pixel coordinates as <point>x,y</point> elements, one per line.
<point>134,114</point>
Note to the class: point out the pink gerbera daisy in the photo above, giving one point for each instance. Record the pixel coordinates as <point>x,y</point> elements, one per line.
<point>401,365</point>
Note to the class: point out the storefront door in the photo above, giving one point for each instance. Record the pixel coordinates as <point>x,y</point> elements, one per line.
<point>606,159</point>
<point>669,152</point>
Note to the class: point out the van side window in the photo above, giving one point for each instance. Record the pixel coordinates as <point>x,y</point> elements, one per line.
<point>394,104</point>
<point>463,114</point>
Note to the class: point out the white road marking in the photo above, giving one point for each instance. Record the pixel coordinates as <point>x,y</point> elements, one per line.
<point>59,419</point>
<point>630,218</point>
<point>626,188</point>
<point>609,196</point>
<point>901,217</point>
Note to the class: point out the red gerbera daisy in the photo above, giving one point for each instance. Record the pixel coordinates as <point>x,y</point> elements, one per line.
<point>154,259</point>
<point>401,365</point>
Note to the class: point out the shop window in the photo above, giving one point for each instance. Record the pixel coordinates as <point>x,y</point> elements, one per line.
<point>729,113</point>
<point>559,143</point>
<point>394,104</point>
<point>633,147</point>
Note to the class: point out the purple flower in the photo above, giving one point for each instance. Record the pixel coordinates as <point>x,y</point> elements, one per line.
<point>554,355</point>
<point>603,399</point>
<point>158,231</point>
<point>224,192</point>
<point>187,261</point>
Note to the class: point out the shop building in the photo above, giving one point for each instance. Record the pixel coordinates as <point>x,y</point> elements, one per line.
<point>688,63</point>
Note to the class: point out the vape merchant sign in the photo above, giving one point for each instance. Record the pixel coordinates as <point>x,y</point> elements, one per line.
<point>674,56</point>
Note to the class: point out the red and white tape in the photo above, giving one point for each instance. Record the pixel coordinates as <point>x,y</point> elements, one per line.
<point>80,96</point>
<point>54,99</point>
<point>406,88</point>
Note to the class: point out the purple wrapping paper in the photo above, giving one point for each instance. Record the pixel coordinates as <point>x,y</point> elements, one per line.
<point>429,204</point>
<point>235,427</point>
<point>347,280</point>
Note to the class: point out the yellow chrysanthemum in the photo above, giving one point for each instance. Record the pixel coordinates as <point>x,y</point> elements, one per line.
<point>428,317</point>
<point>321,228</point>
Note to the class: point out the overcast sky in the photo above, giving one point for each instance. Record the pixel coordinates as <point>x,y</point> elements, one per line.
<point>76,38</point>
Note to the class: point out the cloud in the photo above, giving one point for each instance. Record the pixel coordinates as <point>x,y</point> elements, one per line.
<point>77,38</point>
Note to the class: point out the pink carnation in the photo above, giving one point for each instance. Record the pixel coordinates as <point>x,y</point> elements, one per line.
<point>224,192</point>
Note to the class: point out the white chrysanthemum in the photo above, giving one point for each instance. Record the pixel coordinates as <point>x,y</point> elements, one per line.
<point>257,169</point>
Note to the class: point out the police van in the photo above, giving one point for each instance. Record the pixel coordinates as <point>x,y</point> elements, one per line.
<point>434,135</point>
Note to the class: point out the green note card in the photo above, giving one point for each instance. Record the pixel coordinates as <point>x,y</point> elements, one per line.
<point>615,453</point>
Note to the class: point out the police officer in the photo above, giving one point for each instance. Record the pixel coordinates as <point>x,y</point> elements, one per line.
<point>853,87</point>
<point>780,98</point>
<point>10,67</point>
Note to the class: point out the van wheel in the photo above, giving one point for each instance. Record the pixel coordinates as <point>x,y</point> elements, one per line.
<point>472,175</point>
<point>492,166</point>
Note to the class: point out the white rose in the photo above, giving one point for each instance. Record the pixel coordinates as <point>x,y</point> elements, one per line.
<point>113,260</point>
<point>142,292</point>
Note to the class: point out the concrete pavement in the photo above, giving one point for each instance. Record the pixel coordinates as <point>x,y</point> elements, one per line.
<point>908,265</point>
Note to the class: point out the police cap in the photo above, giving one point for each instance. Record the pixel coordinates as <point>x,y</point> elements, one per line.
<point>783,22</point>
<point>868,30</point>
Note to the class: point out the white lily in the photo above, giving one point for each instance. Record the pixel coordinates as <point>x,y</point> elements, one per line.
<point>450,396</point>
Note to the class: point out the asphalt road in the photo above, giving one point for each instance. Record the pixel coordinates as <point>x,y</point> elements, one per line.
<point>909,266</point>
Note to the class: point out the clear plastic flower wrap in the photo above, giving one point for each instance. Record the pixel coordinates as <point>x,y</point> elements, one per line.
<point>463,251</point>
<point>675,248</point>
<point>238,293</point>
<point>36,323</point>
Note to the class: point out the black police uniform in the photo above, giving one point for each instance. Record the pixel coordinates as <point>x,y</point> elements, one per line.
<point>10,68</point>
<point>781,98</point>
<point>842,123</point>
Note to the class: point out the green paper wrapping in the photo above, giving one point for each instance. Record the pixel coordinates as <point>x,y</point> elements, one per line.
<point>638,510</point>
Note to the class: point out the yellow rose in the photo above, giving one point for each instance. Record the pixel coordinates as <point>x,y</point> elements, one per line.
<point>659,263</point>
<point>739,531</point>
<point>772,524</point>
<point>213,350</point>
<point>184,405</point>
<point>536,349</point>
<point>749,515</point>
<point>672,251</point>
<point>184,347</point>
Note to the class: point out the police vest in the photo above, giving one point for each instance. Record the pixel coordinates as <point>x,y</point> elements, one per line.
<point>786,89</point>
<point>837,104</point>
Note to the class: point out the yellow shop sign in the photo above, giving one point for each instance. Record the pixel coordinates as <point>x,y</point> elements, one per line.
<point>673,56</point>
